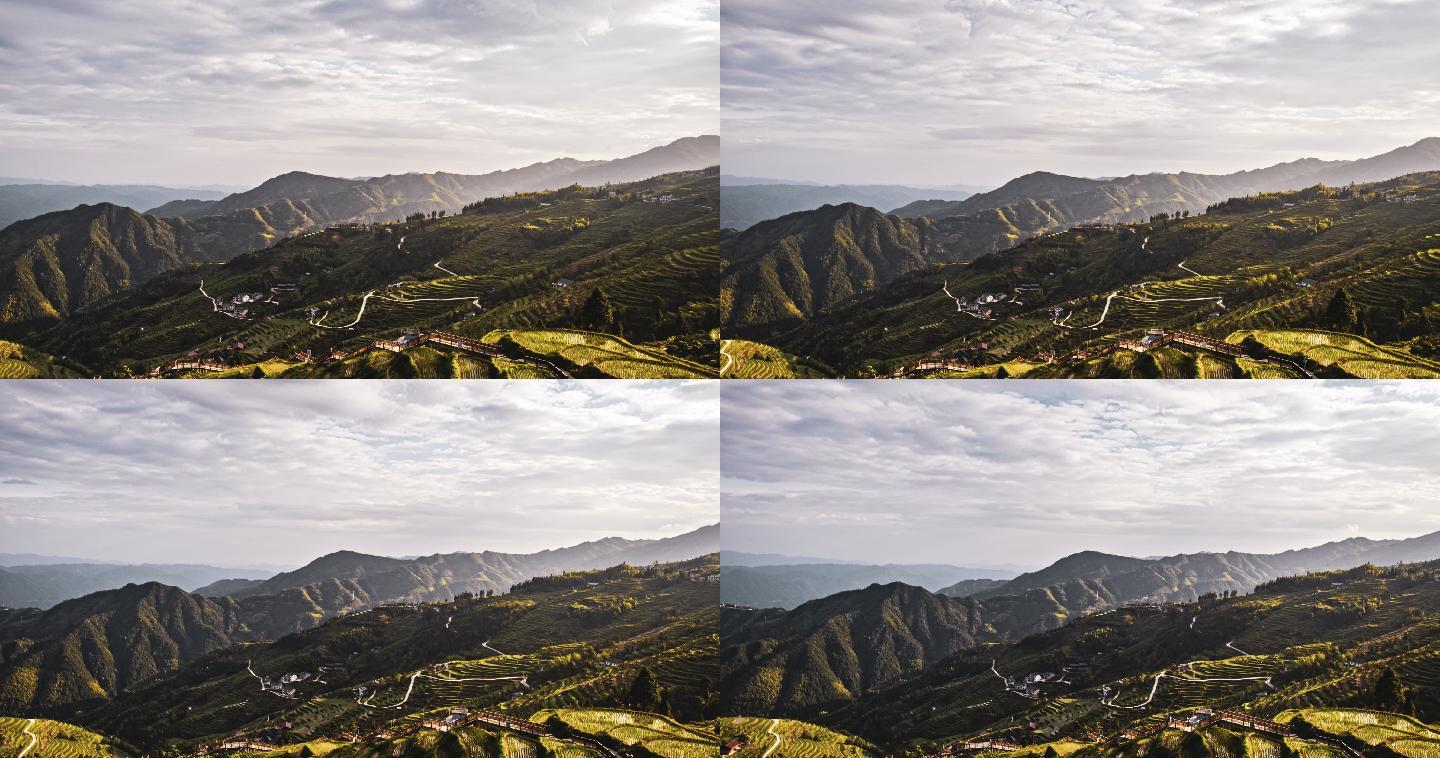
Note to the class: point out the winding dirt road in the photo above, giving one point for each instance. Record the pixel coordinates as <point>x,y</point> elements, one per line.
<point>771,731</point>
<point>1166,675</point>
<point>422,675</point>
<point>35,739</point>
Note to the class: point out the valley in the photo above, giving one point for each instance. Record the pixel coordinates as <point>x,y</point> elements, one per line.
<point>1319,281</point>
<point>597,662</point>
<point>546,278</point>
<point>1332,663</point>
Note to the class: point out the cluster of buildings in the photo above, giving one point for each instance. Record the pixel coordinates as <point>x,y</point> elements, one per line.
<point>662,199</point>
<point>703,575</point>
<point>980,305</point>
<point>234,306</point>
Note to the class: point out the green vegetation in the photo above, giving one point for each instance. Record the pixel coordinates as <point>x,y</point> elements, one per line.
<point>630,729</point>
<point>752,360</point>
<point>1355,356</point>
<point>17,362</point>
<point>1266,274</point>
<point>1316,664</point>
<point>593,353</point>
<point>1401,735</point>
<point>564,648</point>
<point>754,736</point>
<point>640,273</point>
<point>56,740</point>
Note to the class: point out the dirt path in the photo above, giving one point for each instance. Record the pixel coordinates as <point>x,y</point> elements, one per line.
<point>1166,675</point>
<point>401,300</point>
<point>422,675</point>
<point>771,731</point>
<point>35,739</point>
<point>446,270</point>
<point>728,360</point>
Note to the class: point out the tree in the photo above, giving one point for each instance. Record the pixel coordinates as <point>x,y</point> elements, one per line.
<point>1390,692</point>
<point>645,692</point>
<point>1342,313</point>
<point>445,369</point>
<point>402,367</point>
<point>597,312</point>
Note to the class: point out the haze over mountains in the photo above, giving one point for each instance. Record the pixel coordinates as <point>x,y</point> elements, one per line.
<point>832,649</point>
<point>745,202</point>
<point>27,199</point>
<point>59,262</point>
<point>787,586</point>
<point>146,629</point>
<point>41,585</point>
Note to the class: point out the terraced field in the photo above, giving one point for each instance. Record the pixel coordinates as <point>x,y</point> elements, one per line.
<point>1401,735</point>
<point>657,734</point>
<point>1356,356</point>
<point>19,362</point>
<point>797,738</point>
<point>610,356</point>
<point>55,740</point>
<point>743,359</point>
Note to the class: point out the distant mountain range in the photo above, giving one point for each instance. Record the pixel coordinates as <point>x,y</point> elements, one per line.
<point>40,585</point>
<point>140,630</point>
<point>741,558</point>
<point>1325,658</point>
<point>830,650</point>
<point>744,205</point>
<point>783,271</point>
<point>787,586</point>
<point>26,199</point>
<point>1042,202</point>
<point>60,262</point>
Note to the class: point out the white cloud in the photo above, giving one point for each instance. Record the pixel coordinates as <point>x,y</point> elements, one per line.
<point>968,473</point>
<point>981,91</point>
<point>234,92</point>
<point>260,473</point>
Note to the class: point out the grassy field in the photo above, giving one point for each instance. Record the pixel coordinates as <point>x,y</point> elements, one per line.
<point>56,740</point>
<point>754,360</point>
<point>1401,735</point>
<point>20,362</point>
<point>1356,356</point>
<point>797,738</point>
<point>656,734</point>
<point>603,353</point>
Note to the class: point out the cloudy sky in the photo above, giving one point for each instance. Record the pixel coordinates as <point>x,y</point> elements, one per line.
<point>236,91</point>
<point>980,91</point>
<point>258,473</point>
<point>984,474</point>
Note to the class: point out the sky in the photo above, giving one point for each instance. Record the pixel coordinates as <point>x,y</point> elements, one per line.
<point>232,92</point>
<point>943,92</point>
<point>982,474</point>
<point>252,473</point>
